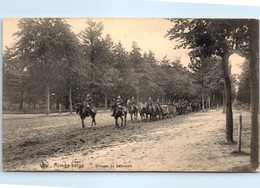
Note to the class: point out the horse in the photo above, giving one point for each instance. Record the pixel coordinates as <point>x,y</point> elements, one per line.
<point>133,110</point>
<point>173,110</point>
<point>142,111</point>
<point>83,113</point>
<point>157,111</point>
<point>165,111</point>
<point>120,112</point>
<point>150,112</point>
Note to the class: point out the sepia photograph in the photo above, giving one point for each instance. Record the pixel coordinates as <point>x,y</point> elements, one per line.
<point>130,94</point>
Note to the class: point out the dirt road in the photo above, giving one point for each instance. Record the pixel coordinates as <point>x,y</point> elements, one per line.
<point>193,142</point>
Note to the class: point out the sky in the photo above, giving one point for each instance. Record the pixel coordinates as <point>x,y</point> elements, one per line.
<point>149,34</point>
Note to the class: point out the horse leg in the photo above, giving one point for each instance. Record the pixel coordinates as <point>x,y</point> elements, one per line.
<point>92,122</point>
<point>125,118</point>
<point>122,121</point>
<point>94,118</point>
<point>82,122</point>
<point>116,120</point>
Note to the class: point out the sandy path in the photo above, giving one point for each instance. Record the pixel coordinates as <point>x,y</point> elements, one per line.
<point>193,142</point>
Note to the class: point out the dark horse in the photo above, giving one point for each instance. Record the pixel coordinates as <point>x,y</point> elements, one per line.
<point>83,113</point>
<point>133,110</point>
<point>150,111</point>
<point>120,112</point>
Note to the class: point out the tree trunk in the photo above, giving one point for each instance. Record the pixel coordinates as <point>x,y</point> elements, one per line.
<point>57,104</point>
<point>21,100</point>
<point>209,105</point>
<point>59,108</point>
<point>202,99</point>
<point>47,99</point>
<point>70,99</point>
<point>105,101</point>
<point>224,100</point>
<point>228,93</point>
<point>253,68</point>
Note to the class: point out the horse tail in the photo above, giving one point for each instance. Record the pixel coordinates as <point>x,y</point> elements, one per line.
<point>125,116</point>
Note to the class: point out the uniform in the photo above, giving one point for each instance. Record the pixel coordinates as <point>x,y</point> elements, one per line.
<point>88,101</point>
<point>133,102</point>
<point>150,102</point>
<point>119,102</point>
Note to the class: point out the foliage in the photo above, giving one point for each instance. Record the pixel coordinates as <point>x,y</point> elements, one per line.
<point>93,63</point>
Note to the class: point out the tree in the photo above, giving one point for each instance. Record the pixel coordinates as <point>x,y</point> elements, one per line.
<point>253,68</point>
<point>47,44</point>
<point>135,56</point>
<point>13,79</point>
<point>92,48</point>
<point>207,73</point>
<point>214,37</point>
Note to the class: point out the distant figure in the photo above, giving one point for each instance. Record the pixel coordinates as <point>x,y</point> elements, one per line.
<point>162,101</point>
<point>158,101</point>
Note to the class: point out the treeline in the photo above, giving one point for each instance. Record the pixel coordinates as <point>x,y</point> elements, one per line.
<point>244,86</point>
<point>49,65</point>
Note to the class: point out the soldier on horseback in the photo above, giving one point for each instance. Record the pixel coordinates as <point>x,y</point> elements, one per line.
<point>150,102</point>
<point>134,102</point>
<point>159,104</point>
<point>119,103</point>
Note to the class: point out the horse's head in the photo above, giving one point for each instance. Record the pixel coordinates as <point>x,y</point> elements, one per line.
<point>79,107</point>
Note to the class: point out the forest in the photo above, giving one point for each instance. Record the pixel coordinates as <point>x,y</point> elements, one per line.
<point>49,65</point>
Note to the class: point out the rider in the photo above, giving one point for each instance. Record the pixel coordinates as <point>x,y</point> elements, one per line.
<point>133,102</point>
<point>174,103</point>
<point>162,101</point>
<point>119,102</point>
<point>159,104</point>
<point>150,102</point>
<point>158,101</point>
<point>88,102</point>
